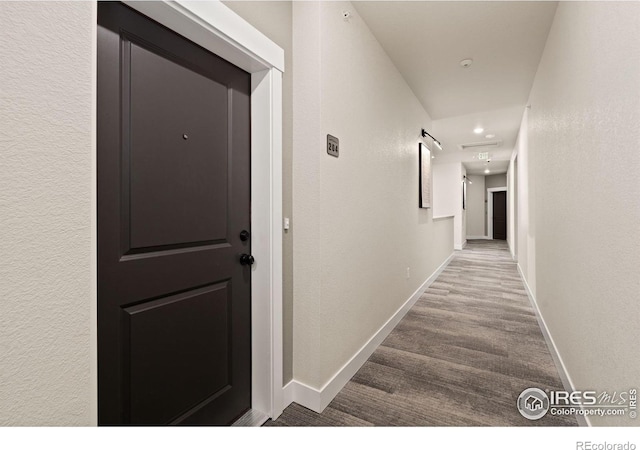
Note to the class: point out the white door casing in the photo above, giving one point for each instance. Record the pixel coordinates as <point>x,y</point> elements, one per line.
<point>490,192</point>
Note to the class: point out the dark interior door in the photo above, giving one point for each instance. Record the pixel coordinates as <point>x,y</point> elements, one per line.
<point>173,198</point>
<point>500,215</point>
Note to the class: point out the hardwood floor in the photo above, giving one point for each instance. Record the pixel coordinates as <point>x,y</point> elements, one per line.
<point>460,357</point>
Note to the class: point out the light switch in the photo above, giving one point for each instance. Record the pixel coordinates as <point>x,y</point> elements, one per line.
<point>286,223</point>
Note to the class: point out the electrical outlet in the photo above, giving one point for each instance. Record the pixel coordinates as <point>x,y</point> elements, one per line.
<point>408,272</point>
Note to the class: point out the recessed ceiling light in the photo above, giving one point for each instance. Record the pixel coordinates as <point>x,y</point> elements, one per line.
<point>487,171</point>
<point>490,136</point>
<point>478,130</point>
<point>466,63</point>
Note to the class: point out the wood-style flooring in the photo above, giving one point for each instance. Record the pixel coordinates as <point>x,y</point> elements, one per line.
<point>460,357</point>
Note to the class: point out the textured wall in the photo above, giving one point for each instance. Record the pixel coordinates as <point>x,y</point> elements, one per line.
<point>47,315</point>
<point>307,142</point>
<point>358,225</point>
<point>274,20</point>
<point>584,136</point>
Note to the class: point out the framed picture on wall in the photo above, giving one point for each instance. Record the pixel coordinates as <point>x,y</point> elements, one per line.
<point>424,163</point>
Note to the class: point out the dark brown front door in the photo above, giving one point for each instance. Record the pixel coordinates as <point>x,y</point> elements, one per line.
<point>500,215</point>
<point>174,325</point>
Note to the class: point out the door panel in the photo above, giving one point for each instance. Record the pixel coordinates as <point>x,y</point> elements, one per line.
<point>500,215</point>
<point>163,355</point>
<point>177,188</point>
<point>173,195</point>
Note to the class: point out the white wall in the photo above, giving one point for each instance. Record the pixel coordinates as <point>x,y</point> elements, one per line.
<point>47,306</point>
<point>447,198</point>
<point>512,194</point>
<point>494,181</point>
<point>358,225</point>
<point>475,207</point>
<point>583,138</point>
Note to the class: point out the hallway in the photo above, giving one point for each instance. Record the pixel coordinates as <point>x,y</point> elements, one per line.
<point>460,357</point>
<point>376,136</point>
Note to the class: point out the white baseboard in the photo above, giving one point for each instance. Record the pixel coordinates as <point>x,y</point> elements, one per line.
<point>318,399</point>
<point>479,237</point>
<point>461,246</point>
<point>304,395</point>
<point>287,394</point>
<point>583,420</point>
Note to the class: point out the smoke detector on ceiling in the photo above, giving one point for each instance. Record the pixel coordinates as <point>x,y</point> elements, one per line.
<point>466,63</point>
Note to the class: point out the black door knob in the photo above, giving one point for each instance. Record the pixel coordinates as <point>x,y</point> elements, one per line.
<point>246,260</point>
<point>244,235</point>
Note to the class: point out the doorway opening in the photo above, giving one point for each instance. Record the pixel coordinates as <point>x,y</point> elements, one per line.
<point>514,213</point>
<point>497,213</point>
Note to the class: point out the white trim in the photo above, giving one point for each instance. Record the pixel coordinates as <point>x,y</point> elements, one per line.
<point>461,246</point>
<point>288,393</point>
<point>266,243</point>
<point>318,399</point>
<point>443,217</point>
<point>477,237</point>
<point>490,208</point>
<point>218,29</point>
<point>567,383</point>
<point>93,338</point>
<point>512,208</point>
<point>306,396</point>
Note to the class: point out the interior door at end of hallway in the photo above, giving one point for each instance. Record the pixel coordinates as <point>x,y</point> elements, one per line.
<point>500,215</point>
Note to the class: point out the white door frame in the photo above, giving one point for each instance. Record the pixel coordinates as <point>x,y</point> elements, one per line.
<point>514,209</point>
<point>490,191</point>
<point>215,27</point>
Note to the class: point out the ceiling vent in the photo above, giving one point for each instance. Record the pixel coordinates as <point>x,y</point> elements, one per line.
<point>483,144</point>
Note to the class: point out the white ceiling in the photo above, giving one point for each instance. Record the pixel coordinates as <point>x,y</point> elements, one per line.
<point>426,40</point>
